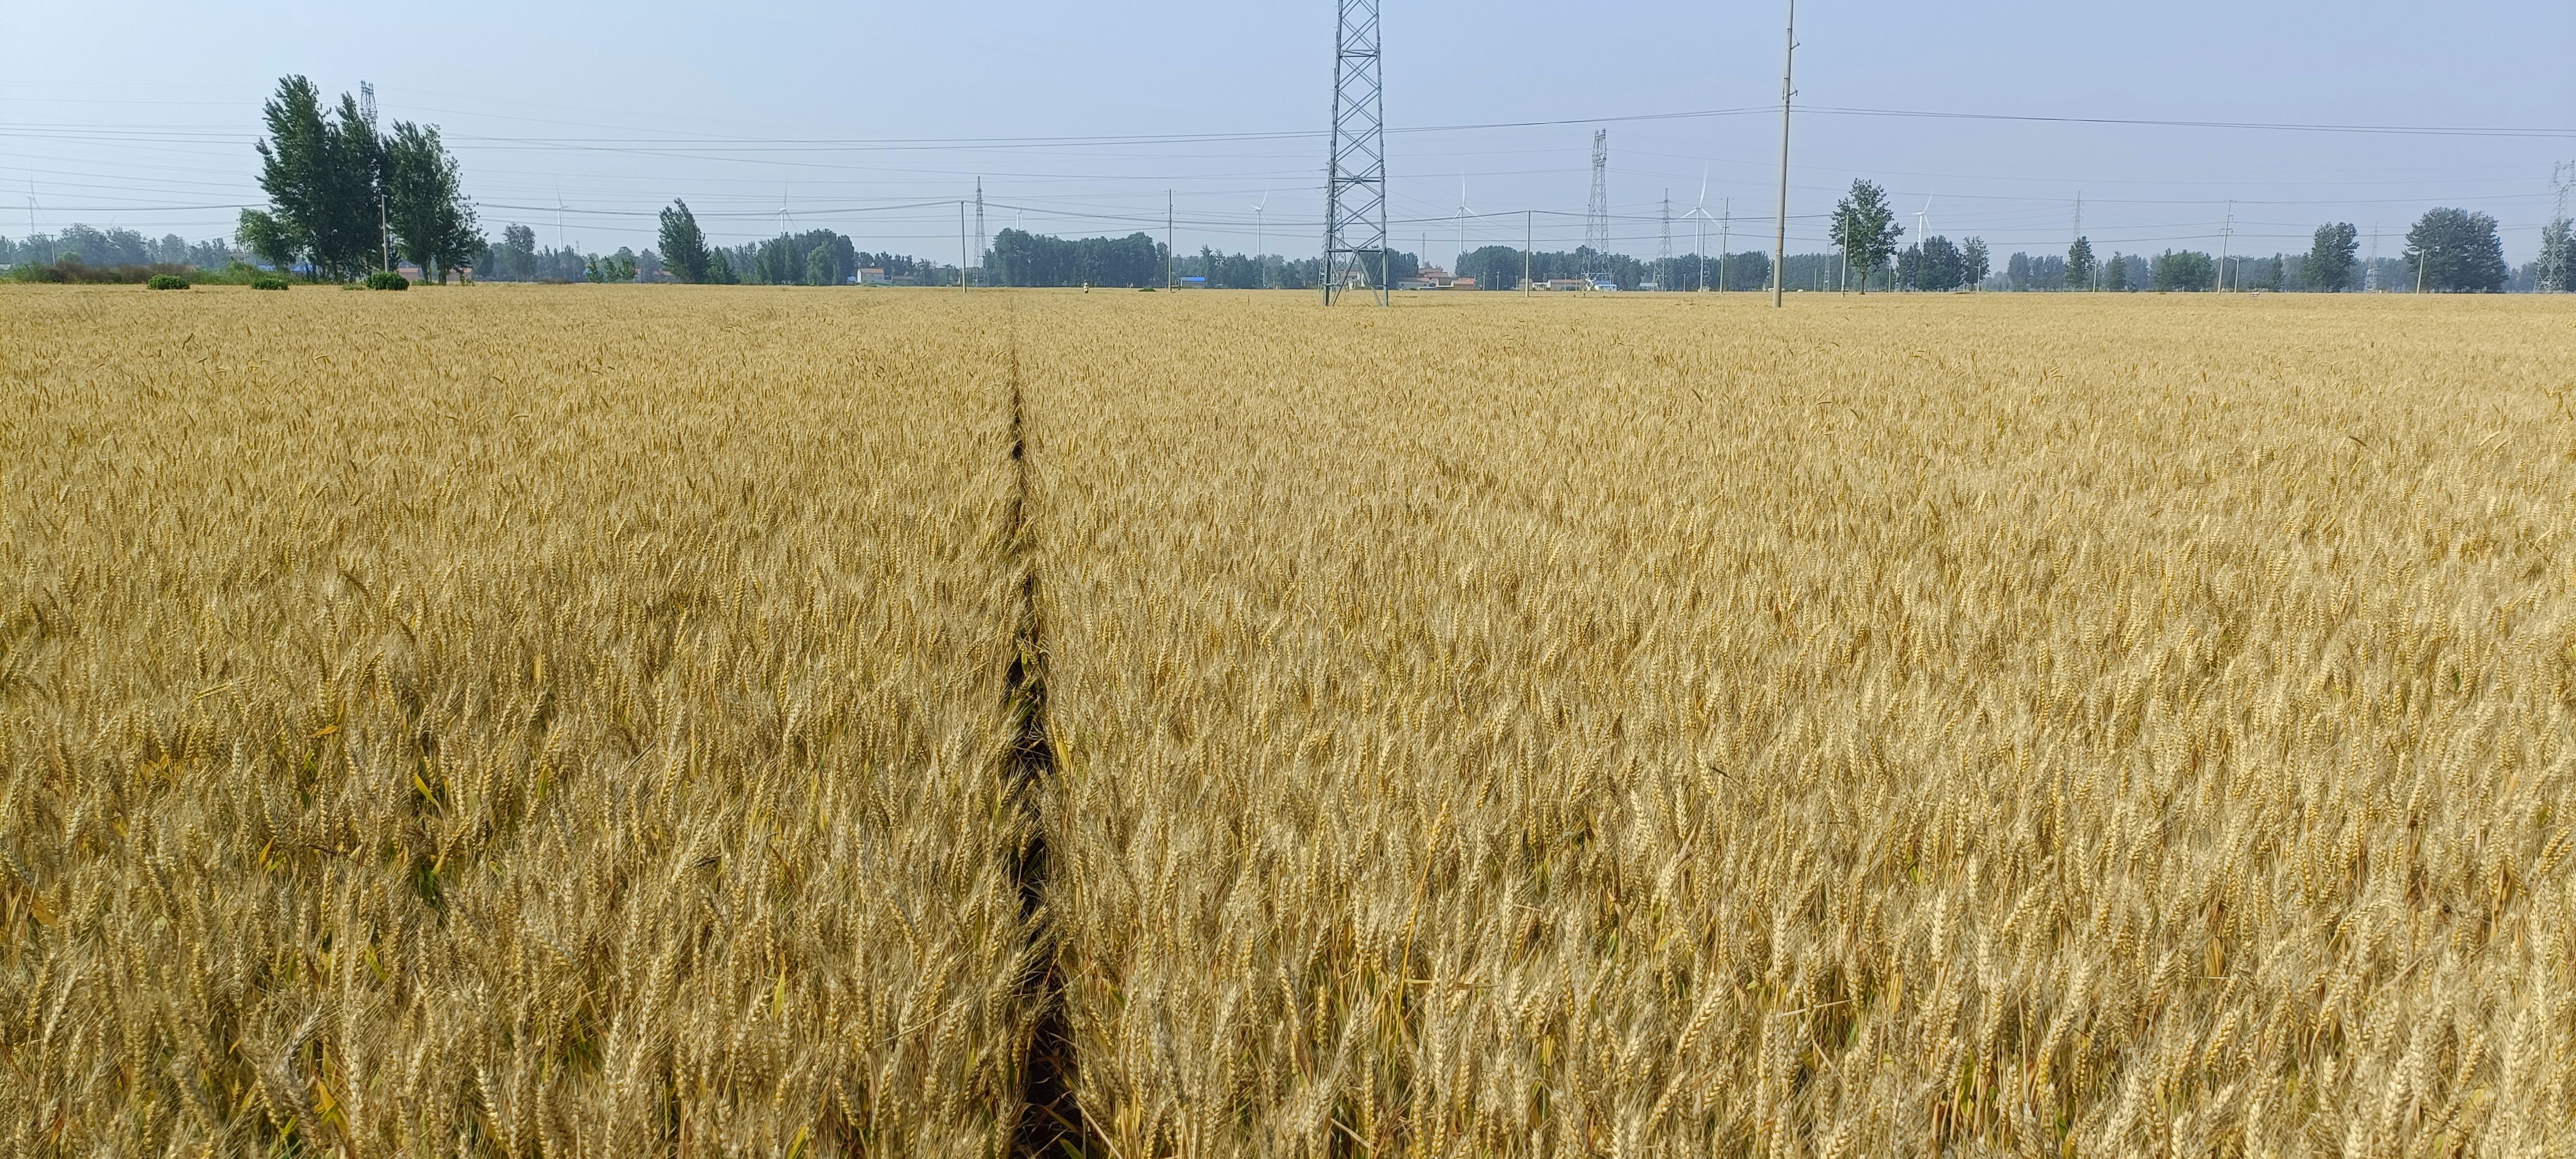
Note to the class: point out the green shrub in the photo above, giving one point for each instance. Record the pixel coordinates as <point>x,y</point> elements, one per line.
<point>268,282</point>
<point>387,280</point>
<point>167,282</point>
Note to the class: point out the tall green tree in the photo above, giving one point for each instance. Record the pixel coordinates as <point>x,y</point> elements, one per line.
<point>2079,264</point>
<point>358,236</point>
<point>1866,229</point>
<point>2454,251</point>
<point>298,163</point>
<point>2331,254</point>
<point>684,245</point>
<point>1974,262</point>
<point>432,223</point>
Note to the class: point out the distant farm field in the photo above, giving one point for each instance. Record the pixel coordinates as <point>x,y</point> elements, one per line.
<point>652,720</point>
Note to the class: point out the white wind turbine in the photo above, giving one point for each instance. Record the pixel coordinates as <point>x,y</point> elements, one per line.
<point>1457,266</point>
<point>1699,248</point>
<point>1261,236</point>
<point>1923,223</point>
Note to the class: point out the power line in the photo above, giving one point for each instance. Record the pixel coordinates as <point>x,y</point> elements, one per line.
<point>216,133</point>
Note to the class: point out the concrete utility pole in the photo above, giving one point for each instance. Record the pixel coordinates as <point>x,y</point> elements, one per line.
<point>980,243</point>
<point>1171,256</point>
<point>1529,232</point>
<point>1725,238</point>
<point>1780,226</point>
<point>962,256</point>
<point>384,227</point>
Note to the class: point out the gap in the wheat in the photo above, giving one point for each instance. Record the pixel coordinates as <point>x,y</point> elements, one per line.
<point>1050,1118</point>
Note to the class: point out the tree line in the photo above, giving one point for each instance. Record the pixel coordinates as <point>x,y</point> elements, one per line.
<point>116,247</point>
<point>2447,251</point>
<point>348,196</point>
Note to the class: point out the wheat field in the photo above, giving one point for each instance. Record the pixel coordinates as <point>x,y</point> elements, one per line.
<point>589,721</point>
<point>506,724</point>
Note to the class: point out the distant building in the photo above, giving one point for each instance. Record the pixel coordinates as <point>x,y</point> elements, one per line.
<point>871,276</point>
<point>1435,278</point>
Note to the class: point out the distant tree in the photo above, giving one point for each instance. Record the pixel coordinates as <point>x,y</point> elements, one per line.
<point>2115,273</point>
<point>719,270</point>
<point>1973,261</point>
<point>1942,268</point>
<point>267,238</point>
<point>2079,264</point>
<point>2456,251</point>
<point>2017,271</point>
<point>684,245</point>
<point>515,259</point>
<point>1866,229</point>
<point>425,203</point>
<point>1750,270</point>
<point>2188,270</point>
<point>2328,267</point>
<point>1495,267</point>
<point>2271,276</point>
<point>819,267</point>
<point>616,267</point>
<point>1028,259</point>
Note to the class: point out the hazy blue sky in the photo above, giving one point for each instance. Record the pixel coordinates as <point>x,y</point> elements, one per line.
<point>141,114</point>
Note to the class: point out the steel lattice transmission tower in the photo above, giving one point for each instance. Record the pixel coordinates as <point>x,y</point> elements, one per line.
<point>2556,241</point>
<point>1355,179</point>
<point>1664,249</point>
<point>1596,222</point>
